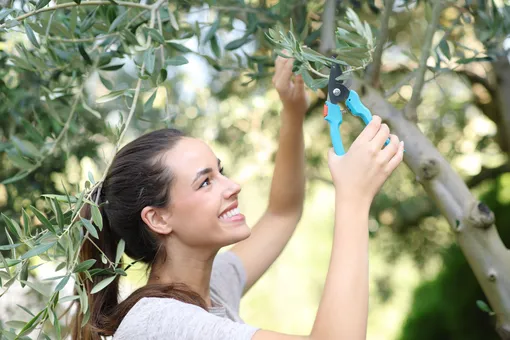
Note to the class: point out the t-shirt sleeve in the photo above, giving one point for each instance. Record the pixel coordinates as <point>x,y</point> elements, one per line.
<point>160,318</point>
<point>228,278</point>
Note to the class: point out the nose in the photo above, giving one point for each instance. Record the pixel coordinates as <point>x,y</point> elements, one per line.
<point>232,188</point>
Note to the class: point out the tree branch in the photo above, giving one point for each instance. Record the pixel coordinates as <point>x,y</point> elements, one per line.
<point>422,68</point>
<point>73,4</point>
<point>374,71</point>
<point>488,173</point>
<point>328,41</point>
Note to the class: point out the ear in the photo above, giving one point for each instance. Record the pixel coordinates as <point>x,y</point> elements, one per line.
<point>158,220</point>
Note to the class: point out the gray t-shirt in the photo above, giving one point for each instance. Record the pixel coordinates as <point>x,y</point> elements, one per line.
<point>170,319</point>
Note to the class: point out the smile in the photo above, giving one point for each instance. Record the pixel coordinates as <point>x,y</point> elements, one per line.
<point>230,214</point>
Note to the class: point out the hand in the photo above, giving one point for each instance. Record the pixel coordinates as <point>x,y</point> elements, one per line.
<point>292,92</point>
<point>359,174</point>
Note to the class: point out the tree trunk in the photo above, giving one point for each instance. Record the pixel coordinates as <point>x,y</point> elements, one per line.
<point>471,220</point>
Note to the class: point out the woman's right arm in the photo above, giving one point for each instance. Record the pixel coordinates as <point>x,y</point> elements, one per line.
<point>357,176</point>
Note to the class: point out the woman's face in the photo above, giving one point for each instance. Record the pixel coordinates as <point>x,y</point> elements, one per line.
<point>204,209</point>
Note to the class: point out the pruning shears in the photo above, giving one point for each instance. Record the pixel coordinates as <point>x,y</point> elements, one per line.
<point>339,92</point>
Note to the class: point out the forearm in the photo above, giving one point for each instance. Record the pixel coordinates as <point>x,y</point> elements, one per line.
<point>288,183</point>
<point>343,309</point>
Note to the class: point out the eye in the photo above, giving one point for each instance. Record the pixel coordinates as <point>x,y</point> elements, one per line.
<point>205,183</point>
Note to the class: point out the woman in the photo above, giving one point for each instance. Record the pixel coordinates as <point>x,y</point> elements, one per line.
<point>165,195</point>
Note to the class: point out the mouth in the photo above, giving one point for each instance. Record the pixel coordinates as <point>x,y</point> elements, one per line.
<point>231,214</point>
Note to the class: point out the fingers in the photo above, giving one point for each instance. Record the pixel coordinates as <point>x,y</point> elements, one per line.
<point>381,136</point>
<point>282,79</point>
<point>371,129</point>
<point>391,149</point>
<point>396,159</point>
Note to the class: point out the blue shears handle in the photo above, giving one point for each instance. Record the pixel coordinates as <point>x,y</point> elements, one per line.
<point>333,115</point>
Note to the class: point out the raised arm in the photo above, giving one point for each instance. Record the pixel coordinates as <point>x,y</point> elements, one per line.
<point>358,176</point>
<point>274,229</point>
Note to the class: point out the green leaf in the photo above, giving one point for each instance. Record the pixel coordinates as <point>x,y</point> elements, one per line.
<point>147,106</point>
<point>96,217</point>
<point>26,147</point>
<point>110,96</point>
<point>89,109</point>
<point>16,324</point>
<point>4,13</point>
<point>77,1</point>
<point>73,20</point>
<point>235,44</point>
<point>58,213</point>
<point>23,276</point>
<point>13,226</point>
<point>38,287</point>
<point>120,250</point>
<point>19,161</point>
<point>163,74</point>
<point>10,246</point>
<point>62,284</point>
<point>215,47</point>
<point>29,326</point>
<point>156,35</point>
<point>9,263</point>
<point>26,222</point>
<point>26,310</point>
<point>149,59</point>
<point>484,307</point>
<point>68,298</point>
<point>106,83</point>
<point>103,284</point>
<point>90,228</point>
<point>43,219</point>
<point>89,20</point>
<point>176,61</point>
<point>475,59</point>
<point>307,78</point>
<point>91,178</point>
<point>112,67</point>
<point>445,49</point>
<point>179,47</point>
<point>60,198</point>
<point>84,54</point>
<point>212,31</point>
<point>85,265</point>
<point>117,21</point>
<point>37,250</point>
<point>31,35</point>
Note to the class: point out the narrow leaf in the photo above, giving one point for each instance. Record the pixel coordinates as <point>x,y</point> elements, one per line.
<point>37,287</point>
<point>43,219</point>
<point>90,228</point>
<point>235,44</point>
<point>85,265</point>
<point>149,59</point>
<point>110,96</point>
<point>147,106</point>
<point>68,298</point>
<point>31,35</point>
<point>96,217</point>
<point>62,283</point>
<point>176,61</point>
<point>103,284</point>
<point>212,31</point>
<point>37,250</point>
<point>179,47</point>
<point>120,251</point>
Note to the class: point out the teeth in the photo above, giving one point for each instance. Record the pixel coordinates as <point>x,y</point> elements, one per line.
<point>230,213</point>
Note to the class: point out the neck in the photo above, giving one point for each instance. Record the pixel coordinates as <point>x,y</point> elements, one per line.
<point>191,268</point>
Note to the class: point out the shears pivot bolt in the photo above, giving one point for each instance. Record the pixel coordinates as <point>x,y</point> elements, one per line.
<point>336,91</point>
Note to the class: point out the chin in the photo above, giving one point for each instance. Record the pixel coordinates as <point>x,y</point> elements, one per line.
<point>238,234</point>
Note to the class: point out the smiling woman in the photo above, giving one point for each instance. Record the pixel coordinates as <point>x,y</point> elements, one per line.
<point>165,195</point>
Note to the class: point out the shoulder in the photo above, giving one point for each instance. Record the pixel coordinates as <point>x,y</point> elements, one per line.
<point>157,318</point>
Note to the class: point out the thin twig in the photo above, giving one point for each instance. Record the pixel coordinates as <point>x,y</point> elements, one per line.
<point>73,4</point>
<point>422,68</point>
<point>81,40</point>
<point>375,69</point>
<point>401,83</point>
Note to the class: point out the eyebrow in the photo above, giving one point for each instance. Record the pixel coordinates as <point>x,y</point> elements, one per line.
<point>204,172</point>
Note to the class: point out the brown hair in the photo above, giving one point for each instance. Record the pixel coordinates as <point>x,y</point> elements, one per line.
<point>136,178</point>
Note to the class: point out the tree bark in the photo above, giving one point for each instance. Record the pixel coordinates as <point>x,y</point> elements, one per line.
<point>471,220</point>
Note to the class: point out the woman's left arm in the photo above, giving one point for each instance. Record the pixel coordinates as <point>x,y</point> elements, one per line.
<point>274,229</point>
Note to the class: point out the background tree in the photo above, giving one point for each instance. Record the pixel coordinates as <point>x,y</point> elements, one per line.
<point>79,78</point>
